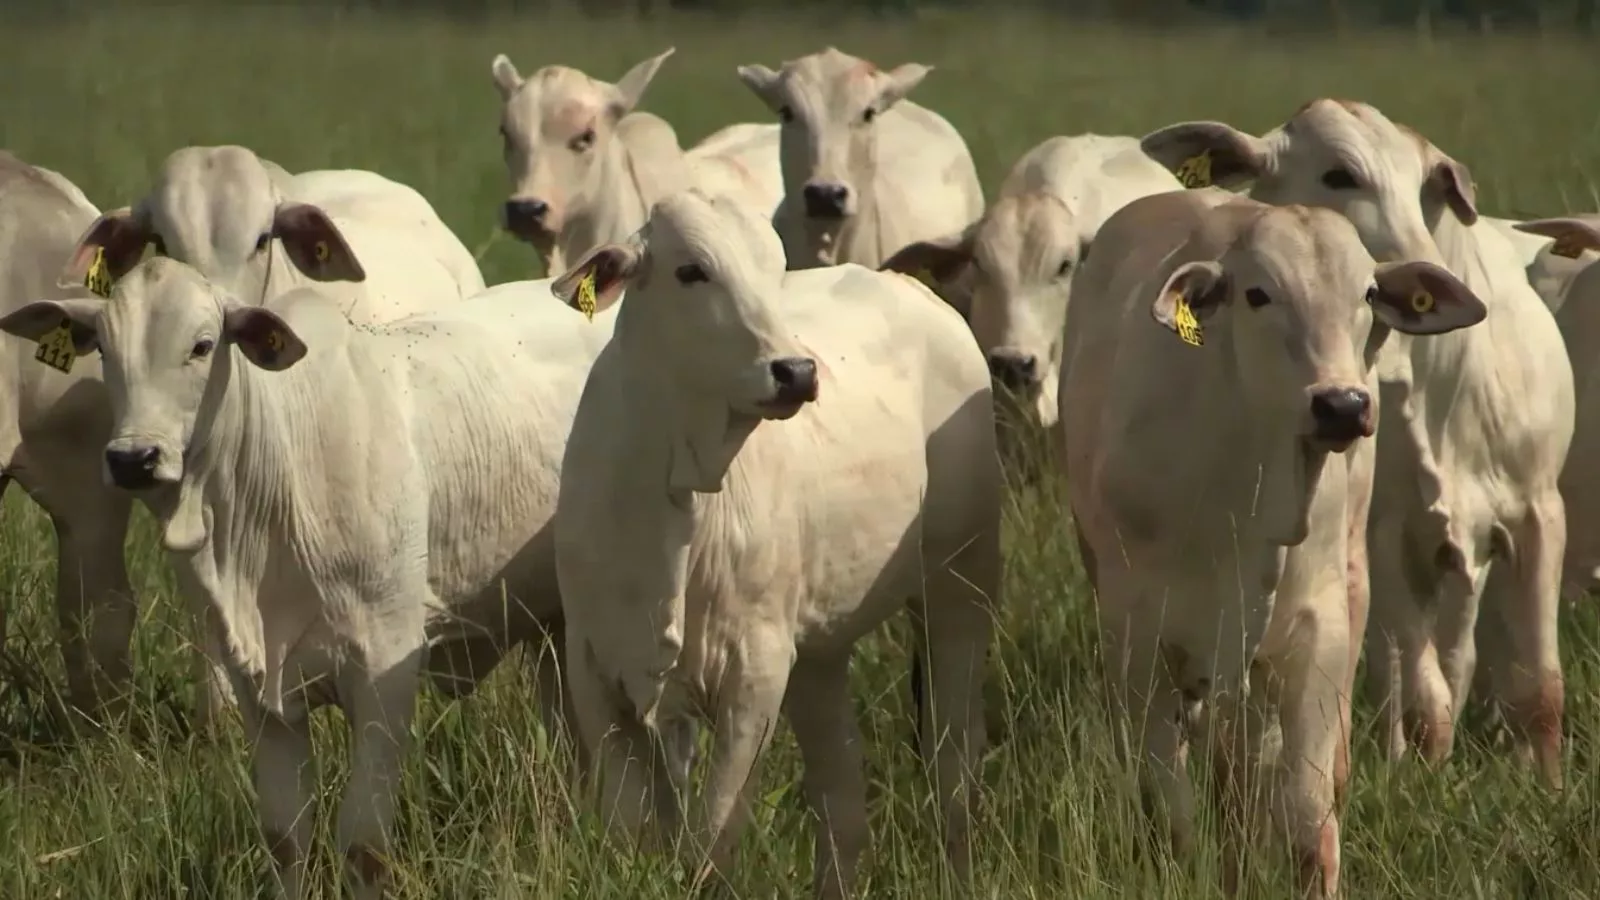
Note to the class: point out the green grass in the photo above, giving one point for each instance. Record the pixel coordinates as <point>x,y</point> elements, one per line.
<point>102,100</point>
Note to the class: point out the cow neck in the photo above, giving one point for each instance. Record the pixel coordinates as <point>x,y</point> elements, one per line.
<point>235,470</point>
<point>858,239</point>
<point>612,205</point>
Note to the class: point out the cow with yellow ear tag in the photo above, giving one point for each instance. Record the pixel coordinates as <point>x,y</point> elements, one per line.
<point>1250,336</point>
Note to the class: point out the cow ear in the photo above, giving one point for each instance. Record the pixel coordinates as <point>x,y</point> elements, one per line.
<point>939,260</point>
<point>506,77</point>
<point>1571,235</point>
<point>1422,298</point>
<point>762,82</point>
<point>35,320</point>
<point>1202,154</point>
<point>264,337</point>
<point>1191,293</point>
<point>599,276</point>
<point>314,244</point>
<point>110,246</point>
<point>899,82</point>
<point>630,88</point>
<point>1452,181</point>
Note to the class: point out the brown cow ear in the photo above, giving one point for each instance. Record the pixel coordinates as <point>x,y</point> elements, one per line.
<point>314,244</point>
<point>1191,294</point>
<point>1201,154</point>
<point>1422,298</point>
<point>117,238</point>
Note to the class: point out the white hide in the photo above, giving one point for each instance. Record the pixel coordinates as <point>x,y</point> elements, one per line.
<point>591,166</point>
<point>905,171</point>
<point>1478,425</point>
<point>376,246</point>
<point>349,503</point>
<point>1220,492</point>
<point>1019,258</point>
<point>764,468</point>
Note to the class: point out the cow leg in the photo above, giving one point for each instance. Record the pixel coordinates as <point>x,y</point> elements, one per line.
<point>548,654</point>
<point>216,695</point>
<point>1389,614</point>
<point>748,703</point>
<point>95,606</point>
<point>379,699</point>
<point>1236,736</point>
<point>1312,678</point>
<point>285,782</point>
<point>819,711</point>
<point>622,757</point>
<point>1531,682</point>
<point>1153,734</point>
<point>958,611</point>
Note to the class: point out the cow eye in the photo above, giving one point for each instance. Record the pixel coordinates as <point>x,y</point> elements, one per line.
<point>869,115</point>
<point>583,141</point>
<point>785,114</point>
<point>1257,298</point>
<point>1064,268</point>
<point>691,273</point>
<point>201,349</point>
<point>1339,179</point>
<point>1372,295</point>
<point>263,240</point>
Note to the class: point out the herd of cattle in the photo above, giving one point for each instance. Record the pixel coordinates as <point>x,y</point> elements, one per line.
<point>368,467</point>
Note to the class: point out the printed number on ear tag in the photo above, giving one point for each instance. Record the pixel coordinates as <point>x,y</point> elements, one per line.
<point>321,251</point>
<point>1567,247</point>
<point>1188,327</point>
<point>56,349</point>
<point>98,278</point>
<point>586,298</point>
<point>1195,172</point>
<point>1422,302</point>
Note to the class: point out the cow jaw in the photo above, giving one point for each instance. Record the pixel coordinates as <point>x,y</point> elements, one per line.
<point>1288,486</point>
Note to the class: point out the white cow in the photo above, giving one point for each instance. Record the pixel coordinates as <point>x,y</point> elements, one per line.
<point>1578,316</point>
<point>1220,488</point>
<point>585,167</point>
<point>865,171</point>
<point>1550,265</point>
<point>714,558</point>
<point>346,502</point>
<point>1021,255</point>
<point>50,425</point>
<point>1478,422</point>
<point>256,231</point>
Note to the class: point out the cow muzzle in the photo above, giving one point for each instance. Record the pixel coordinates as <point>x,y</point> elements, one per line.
<point>133,468</point>
<point>1340,416</point>
<point>795,384</point>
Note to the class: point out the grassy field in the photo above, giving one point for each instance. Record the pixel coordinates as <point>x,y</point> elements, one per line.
<point>103,100</point>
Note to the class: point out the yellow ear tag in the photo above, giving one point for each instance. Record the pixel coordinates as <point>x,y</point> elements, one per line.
<point>1567,246</point>
<point>275,341</point>
<point>1195,172</point>
<point>321,251</point>
<point>1422,302</point>
<point>56,349</point>
<point>1184,321</point>
<point>98,278</point>
<point>586,298</point>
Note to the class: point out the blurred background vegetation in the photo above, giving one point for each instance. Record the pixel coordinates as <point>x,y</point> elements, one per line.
<point>1451,15</point>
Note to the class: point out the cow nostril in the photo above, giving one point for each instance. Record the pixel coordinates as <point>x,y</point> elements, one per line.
<point>794,376</point>
<point>526,210</point>
<point>1340,405</point>
<point>1013,369</point>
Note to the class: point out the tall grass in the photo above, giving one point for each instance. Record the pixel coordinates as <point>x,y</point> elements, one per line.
<point>160,813</point>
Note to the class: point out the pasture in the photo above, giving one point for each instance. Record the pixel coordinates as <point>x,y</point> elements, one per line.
<point>161,813</point>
